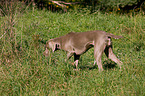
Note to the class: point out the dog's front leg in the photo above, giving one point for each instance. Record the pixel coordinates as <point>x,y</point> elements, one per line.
<point>94,62</point>
<point>76,60</point>
<point>69,55</point>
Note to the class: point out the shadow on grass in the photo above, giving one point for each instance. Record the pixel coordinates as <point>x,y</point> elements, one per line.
<point>106,65</point>
<point>88,67</point>
<point>109,65</point>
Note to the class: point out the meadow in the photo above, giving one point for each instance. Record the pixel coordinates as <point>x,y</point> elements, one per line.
<point>24,71</point>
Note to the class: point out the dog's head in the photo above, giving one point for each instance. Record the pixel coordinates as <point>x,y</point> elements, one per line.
<point>51,44</point>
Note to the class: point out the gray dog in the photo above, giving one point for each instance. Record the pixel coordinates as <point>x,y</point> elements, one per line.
<point>78,43</point>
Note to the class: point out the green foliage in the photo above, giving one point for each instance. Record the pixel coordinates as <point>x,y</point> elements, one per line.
<point>117,3</point>
<point>93,5</point>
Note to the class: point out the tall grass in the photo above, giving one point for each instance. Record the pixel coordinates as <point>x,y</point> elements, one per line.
<point>25,71</point>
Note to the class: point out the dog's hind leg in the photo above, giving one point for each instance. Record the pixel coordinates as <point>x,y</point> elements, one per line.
<point>98,51</point>
<point>109,53</point>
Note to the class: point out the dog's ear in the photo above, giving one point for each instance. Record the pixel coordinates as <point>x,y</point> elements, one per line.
<point>57,45</point>
<point>53,45</point>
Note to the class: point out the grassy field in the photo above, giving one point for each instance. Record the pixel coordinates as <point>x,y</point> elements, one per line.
<point>25,71</point>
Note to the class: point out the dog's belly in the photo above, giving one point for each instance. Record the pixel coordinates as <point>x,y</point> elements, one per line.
<point>82,49</point>
<point>79,52</point>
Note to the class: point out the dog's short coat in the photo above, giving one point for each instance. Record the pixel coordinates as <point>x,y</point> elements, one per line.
<point>78,43</point>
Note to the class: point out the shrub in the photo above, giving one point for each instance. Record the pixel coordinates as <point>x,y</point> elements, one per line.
<point>93,5</point>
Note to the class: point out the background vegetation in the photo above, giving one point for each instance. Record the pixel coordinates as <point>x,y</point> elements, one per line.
<point>93,5</point>
<point>25,71</point>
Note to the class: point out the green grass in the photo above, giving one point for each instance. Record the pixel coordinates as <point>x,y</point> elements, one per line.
<point>27,72</point>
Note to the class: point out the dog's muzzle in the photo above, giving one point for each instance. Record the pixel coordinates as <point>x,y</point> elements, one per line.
<point>46,52</point>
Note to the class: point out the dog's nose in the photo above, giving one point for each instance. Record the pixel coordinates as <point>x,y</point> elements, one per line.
<point>46,53</point>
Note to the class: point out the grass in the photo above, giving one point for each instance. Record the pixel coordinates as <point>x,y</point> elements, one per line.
<point>25,71</point>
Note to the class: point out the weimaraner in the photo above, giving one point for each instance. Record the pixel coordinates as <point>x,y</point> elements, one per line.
<point>78,43</point>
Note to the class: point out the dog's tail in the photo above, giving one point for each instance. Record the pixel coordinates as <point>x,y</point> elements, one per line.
<point>113,36</point>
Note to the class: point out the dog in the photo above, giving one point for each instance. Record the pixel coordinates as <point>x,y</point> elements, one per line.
<point>78,43</point>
